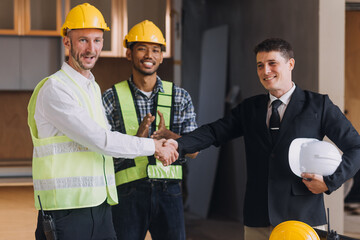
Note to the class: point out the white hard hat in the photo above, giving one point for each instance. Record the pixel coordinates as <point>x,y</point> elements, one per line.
<point>313,156</point>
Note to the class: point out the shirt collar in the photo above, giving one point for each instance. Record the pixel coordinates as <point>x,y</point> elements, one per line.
<point>285,99</point>
<point>158,86</point>
<point>77,76</point>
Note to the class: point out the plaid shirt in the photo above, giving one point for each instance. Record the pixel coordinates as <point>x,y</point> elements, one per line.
<point>183,109</point>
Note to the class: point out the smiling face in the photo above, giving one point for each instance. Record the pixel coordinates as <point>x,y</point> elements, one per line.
<point>84,47</point>
<point>274,72</point>
<point>145,57</point>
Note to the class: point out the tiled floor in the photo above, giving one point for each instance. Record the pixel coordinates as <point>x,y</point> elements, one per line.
<point>211,229</point>
<point>352,220</point>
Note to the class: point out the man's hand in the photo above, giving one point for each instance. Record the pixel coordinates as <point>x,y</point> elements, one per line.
<point>172,143</point>
<point>314,182</point>
<point>143,130</point>
<point>162,132</point>
<point>165,151</point>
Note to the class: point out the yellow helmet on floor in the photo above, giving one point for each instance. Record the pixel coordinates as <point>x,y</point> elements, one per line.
<point>145,31</point>
<point>293,230</point>
<point>84,16</point>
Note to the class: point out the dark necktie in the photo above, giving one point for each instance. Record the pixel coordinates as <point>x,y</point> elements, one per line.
<point>274,123</point>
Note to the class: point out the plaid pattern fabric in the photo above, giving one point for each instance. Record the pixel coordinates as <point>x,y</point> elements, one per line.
<point>184,114</point>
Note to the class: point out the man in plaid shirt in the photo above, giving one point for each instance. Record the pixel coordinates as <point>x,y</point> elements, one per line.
<point>150,195</point>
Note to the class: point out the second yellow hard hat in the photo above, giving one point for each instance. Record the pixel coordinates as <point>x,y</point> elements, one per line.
<point>145,31</point>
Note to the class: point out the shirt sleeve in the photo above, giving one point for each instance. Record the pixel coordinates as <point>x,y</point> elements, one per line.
<point>108,100</point>
<point>339,130</point>
<point>185,116</point>
<point>60,108</point>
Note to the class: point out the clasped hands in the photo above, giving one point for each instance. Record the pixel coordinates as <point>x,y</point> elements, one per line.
<point>166,151</point>
<point>165,146</point>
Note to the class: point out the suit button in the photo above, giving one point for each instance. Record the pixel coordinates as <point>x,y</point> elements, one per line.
<point>272,155</point>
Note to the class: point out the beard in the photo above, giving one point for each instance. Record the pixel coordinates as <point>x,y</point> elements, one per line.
<point>77,56</point>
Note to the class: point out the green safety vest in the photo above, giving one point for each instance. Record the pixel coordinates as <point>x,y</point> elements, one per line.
<point>67,175</point>
<point>143,167</point>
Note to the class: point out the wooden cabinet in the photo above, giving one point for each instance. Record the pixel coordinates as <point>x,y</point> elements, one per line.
<point>30,17</point>
<point>121,15</point>
<point>10,16</point>
<point>26,60</point>
<point>42,17</point>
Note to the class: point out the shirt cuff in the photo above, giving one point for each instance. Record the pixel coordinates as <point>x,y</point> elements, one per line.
<point>148,146</point>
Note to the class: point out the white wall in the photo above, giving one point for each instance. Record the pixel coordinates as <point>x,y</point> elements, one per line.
<point>332,80</point>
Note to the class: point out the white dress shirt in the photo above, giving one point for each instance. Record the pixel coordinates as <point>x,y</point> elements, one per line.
<point>58,113</point>
<point>285,99</point>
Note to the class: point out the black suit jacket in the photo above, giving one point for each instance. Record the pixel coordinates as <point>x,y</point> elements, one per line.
<point>273,193</point>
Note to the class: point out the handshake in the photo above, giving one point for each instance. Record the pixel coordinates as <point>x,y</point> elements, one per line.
<point>166,151</point>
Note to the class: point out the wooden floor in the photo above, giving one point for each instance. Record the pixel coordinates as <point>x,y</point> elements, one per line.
<point>18,219</point>
<point>17,213</point>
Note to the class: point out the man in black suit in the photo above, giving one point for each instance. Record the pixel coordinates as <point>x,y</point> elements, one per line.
<point>269,123</point>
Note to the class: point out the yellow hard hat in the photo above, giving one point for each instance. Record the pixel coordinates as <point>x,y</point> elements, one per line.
<point>84,16</point>
<point>145,31</point>
<point>293,230</point>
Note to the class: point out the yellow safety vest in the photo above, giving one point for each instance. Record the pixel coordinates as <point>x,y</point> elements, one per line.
<point>143,168</point>
<point>66,174</point>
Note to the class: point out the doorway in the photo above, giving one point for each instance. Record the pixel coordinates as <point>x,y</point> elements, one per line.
<point>352,105</point>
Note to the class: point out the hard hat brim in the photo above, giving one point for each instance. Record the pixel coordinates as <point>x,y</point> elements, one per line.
<point>294,154</point>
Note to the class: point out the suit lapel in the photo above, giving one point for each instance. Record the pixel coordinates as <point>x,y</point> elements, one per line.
<point>261,112</point>
<point>293,109</point>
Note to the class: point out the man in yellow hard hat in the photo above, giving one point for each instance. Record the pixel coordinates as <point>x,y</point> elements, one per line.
<point>73,172</point>
<point>150,196</point>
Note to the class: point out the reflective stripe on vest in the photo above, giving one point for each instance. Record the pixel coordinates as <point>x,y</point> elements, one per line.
<point>58,148</point>
<point>71,182</point>
<point>142,168</point>
<point>66,174</point>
